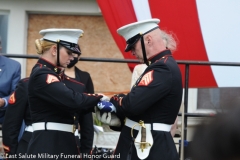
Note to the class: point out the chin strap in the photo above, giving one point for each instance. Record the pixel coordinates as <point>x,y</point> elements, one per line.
<point>143,46</point>
<point>58,62</point>
<point>144,52</point>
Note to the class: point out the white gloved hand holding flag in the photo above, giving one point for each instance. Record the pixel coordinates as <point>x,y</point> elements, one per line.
<point>106,106</point>
<point>104,98</point>
<point>108,118</point>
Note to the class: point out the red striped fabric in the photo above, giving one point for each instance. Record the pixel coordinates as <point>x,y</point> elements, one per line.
<point>116,14</point>
<point>179,17</point>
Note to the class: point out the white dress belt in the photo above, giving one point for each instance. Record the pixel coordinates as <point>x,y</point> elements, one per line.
<point>29,128</point>
<point>53,126</point>
<point>155,126</point>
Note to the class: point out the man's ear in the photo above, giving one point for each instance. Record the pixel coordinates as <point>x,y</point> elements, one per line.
<point>148,38</point>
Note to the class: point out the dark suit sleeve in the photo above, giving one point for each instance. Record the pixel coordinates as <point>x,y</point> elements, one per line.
<point>15,77</point>
<point>87,132</point>
<point>89,85</point>
<point>86,79</point>
<point>14,117</point>
<point>86,120</point>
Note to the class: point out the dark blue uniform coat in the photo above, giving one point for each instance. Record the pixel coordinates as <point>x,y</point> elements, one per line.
<point>155,98</point>
<point>52,101</point>
<point>18,110</point>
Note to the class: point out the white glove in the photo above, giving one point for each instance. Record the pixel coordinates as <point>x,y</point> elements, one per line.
<point>104,98</point>
<point>108,118</point>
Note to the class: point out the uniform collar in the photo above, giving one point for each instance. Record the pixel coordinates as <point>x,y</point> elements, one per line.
<point>159,56</point>
<point>51,66</point>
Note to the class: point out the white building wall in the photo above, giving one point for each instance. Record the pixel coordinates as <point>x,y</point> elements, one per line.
<point>18,18</point>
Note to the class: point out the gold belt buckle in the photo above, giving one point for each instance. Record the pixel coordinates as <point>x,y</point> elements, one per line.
<point>74,128</point>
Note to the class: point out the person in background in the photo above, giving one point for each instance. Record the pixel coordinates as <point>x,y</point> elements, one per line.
<point>18,110</point>
<point>217,138</point>
<point>82,76</point>
<point>52,103</point>
<point>10,74</point>
<point>152,105</point>
<point>80,81</point>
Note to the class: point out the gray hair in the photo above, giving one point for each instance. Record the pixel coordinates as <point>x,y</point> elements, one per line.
<point>169,40</point>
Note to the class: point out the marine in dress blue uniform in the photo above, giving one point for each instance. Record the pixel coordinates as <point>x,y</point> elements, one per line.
<point>52,103</point>
<point>17,104</point>
<point>155,98</point>
<point>81,81</point>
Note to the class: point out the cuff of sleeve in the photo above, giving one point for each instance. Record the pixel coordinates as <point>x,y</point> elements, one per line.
<point>6,102</point>
<point>120,101</point>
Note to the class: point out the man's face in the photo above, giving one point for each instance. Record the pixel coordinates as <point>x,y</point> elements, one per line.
<point>137,51</point>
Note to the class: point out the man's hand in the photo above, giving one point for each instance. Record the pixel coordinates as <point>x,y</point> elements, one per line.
<point>2,102</point>
<point>108,118</point>
<point>104,98</point>
<point>116,100</point>
<point>106,106</point>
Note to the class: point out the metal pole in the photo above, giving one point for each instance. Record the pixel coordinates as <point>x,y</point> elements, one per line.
<point>31,56</point>
<point>182,137</point>
<point>184,110</point>
<point>35,56</point>
<point>197,114</point>
<point>186,99</point>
